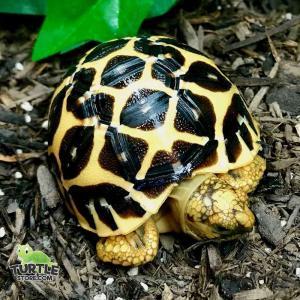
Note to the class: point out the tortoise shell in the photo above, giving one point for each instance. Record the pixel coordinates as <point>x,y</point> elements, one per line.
<point>134,118</point>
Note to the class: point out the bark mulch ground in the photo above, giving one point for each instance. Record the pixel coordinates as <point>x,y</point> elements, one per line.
<point>257,46</point>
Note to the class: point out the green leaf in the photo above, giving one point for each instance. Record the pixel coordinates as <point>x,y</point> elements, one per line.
<point>160,7</point>
<point>70,23</point>
<point>30,7</point>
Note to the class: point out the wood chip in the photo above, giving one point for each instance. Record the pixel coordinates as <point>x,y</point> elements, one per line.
<point>7,220</point>
<point>242,31</point>
<point>287,98</point>
<point>167,293</point>
<point>38,91</point>
<point>292,217</point>
<point>40,69</point>
<point>7,100</point>
<point>294,201</point>
<point>15,291</point>
<point>48,186</point>
<point>10,137</point>
<point>282,164</point>
<point>261,36</point>
<point>70,269</point>
<point>243,81</point>
<point>189,33</point>
<point>203,271</point>
<point>277,120</point>
<point>19,157</point>
<point>89,269</point>
<point>269,225</point>
<point>289,70</point>
<point>262,92</point>
<point>214,258</point>
<point>27,69</point>
<point>275,110</point>
<point>297,127</point>
<point>273,49</point>
<point>215,294</point>
<point>11,118</point>
<point>288,132</point>
<point>201,37</point>
<point>280,135</point>
<point>57,235</point>
<point>254,294</point>
<point>278,198</point>
<point>206,18</point>
<point>20,219</point>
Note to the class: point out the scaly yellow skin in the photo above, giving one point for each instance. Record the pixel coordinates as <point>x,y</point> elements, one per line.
<point>245,178</point>
<point>130,249</point>
<point>217,208</point>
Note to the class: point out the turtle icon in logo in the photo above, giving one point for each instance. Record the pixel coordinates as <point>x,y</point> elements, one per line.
<point>27,255</point>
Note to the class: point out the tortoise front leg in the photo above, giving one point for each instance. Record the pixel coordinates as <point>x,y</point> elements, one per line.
<point>245,178</point>
<point>130,249</point>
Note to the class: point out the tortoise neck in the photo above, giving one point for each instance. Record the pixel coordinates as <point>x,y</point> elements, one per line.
<point>180,196</point>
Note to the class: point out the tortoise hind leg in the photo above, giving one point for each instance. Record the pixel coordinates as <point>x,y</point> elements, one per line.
<point>245,178</point>
<point>130,249</point>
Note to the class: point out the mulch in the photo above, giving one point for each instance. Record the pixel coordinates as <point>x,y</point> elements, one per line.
<point>258,48</point>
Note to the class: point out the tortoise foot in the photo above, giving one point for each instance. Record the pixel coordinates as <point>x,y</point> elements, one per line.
<point>133,249</point>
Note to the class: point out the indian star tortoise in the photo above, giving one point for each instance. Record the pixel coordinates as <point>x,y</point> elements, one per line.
<point>148,136</point>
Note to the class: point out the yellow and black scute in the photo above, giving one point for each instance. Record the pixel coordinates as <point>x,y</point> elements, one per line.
<point>135,117</point>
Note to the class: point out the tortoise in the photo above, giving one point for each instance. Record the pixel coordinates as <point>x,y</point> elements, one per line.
<point>148,136</point>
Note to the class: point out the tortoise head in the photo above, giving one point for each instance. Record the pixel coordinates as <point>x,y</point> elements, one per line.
<point>213,209</point>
